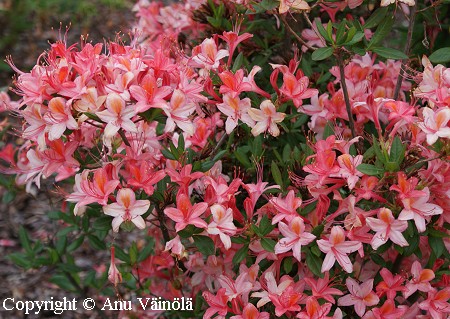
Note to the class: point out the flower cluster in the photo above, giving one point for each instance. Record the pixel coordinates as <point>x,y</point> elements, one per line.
<point>156,136</point>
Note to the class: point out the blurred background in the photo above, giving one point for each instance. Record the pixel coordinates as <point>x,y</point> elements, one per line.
<point>26,26</point>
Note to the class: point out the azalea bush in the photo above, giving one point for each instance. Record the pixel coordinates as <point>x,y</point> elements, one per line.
<point>267,158</point>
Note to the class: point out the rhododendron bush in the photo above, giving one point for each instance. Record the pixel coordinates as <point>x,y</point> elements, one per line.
<point>269,158</point>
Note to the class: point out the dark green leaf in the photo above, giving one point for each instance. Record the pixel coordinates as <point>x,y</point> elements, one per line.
<point>189,230</point>
<point>322,31</point>
<point>268,244</point>
<point>322,53</point>
<point>314,264</point>
<point>382,32</point>
<point>204,244</point>
<point>148,249</point>
<point>265,226</point>
<point>287,264</point>
<point>376,17</point>
<point>240,255</point>
<point>25,240</point>
<point>370,169</point>
<point>390,53</point>
<point>96,243</point>
<point>63,282</point>
<point>238,62</point>
<point>437,245</point>
<point>102,223</point>
<point>276,174</point>
<point>75,244</point>
<point>440,56</point>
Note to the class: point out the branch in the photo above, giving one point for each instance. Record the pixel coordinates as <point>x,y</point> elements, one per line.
<point>346,97</point>
<point>407,49</point>
<point>299,39</point>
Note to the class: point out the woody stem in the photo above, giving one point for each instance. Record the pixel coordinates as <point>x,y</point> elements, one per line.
<point>412,18</point>
<point>348,107</point>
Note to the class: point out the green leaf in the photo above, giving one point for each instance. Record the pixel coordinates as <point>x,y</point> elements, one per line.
<point>370,169</point>
<point>204,244</point>
<point>397,152</point>
<point>437,245</point>
<point>96,243</point>
<point>288,264</point>
<point>102,223</point>
<point>121,254</point>
<point>265,226</point>
<point>238,62</point>
<point>322,31</point>
<point>167,154</point>
<point>63,282</point>
<point>240,255</point>
<point>355,39</point>
<point>268,244</point>
<point>314,264</point>
<point>322,53</point>
<point>390,53</point>
<point>148,249</point>
<point>20,260</point>
<point>189,230</point>
<point>440,56</point>
<point>276,174</point>
<point>242,157</point>
<point>75,244</point>
<point>133,253</point>
<point>376,17</point>
<point>382,32</point>
<point>25,240</point>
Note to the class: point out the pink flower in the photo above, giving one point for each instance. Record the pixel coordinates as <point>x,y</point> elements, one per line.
<point>336,248</point>
<point>92,190</point>
<point>360,296</point>
<point>420,281</point>
<point>296,88</point>
<point>222,224</point>
<point>267,118</point>
<point>348,169</point>
<point>390,284</point>
<point>294,237</point>
<point>435,124</point>
<point>386,227</point>
<point>286,207</point>
<point>127,209</point>
<point>178,112</point>
<point>419,209</point>
<point>117,116</point>
<point>314,310</point>
<point>114,275</point>
<point>175,246</point>
<point>207,56</point>
<point>250,312</point>
<point>236,109</point>
<point>59,118</point>
<point>217,304</point>
<point>385,3</point>
<point>286,5</point>
<point>186,214</point>
<point>320,288</point>
<point>233,39</point>
<point>437,303</point>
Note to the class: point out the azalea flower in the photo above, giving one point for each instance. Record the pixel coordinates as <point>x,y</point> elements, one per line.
<point>267,118</point>
<point>250,312</point>
<point>222,224</point>
<point>336,248</point>
<point>420,280</point>
<point>59,118</point>
<point>437,303</point>
<point>390,284</point>
<point>236,109</point>
<point>320,288</point>
<point>217,304</point>
<point>285,5</point>
<point>360,296</point>
<point>435,124</point>
<point>387,227</point>
<point>126,209</point>
<point>286,207</point>
<point>207,55</point>
<point>186,214</point>
<point>114,275</point>
<point>419,209</point>
<point>385,3</point>
<point>294,237</point>
<point>117,116</point>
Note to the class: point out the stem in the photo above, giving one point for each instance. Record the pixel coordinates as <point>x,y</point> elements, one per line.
<point>299,39</point>
<point>124,138</point>
<point>346,97</point>
<point>166,236</point>
<point>407,49</point>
